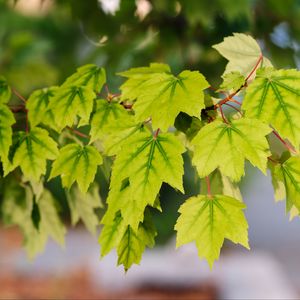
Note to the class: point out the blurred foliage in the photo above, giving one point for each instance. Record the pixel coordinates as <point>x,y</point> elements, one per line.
<point>38,49</point>
<point>42,45</point>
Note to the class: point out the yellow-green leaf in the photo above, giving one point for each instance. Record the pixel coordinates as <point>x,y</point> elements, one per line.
<point>109,118</point>
<point>273,98</point>
<point>5,90</point>
<point>161,95</point>
<point>72,101</point>
<point>88,75</point>
<point>38,107</point>
<point>287,175</point>
<point>6,121</point>
<point>76,163</point>
<point>242,52</point>
<point>208,221</point>
<point>226,146</point>
<point>82,206</point>
<point>31,152</point>
<point>139,170</point>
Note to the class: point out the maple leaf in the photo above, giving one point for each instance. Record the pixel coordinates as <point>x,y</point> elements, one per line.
<point>76,163</point>
<point>31,151</point>
<point>71,101</point>
<point>88,75</point>
<point>273,98</point>
<point>242,51</point>
<point>5,90</point>
<point>208,220</point>
<point>109,118</point>
<point>161,95</point>
<point>286,175</point>
<point>232,81</point>
<point>112,233</point>
<point>6,121</point>
<point>82,206</point>
<point>241,139</point>
<point>38,107</point>
<point>139,170</point>
<point>17,209</point>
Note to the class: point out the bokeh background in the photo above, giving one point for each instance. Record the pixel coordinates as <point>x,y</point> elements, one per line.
<point>43,41</point>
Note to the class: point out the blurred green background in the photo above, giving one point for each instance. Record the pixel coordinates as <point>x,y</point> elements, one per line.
<point>42,42</point>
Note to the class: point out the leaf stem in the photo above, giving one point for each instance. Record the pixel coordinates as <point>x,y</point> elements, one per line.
<point>235,108</point>
<point>287,146</point>
<point>156,133</point>
<point>77,132</point>
<point>18,95</point>
<point>230,97</point>
<point>223,116</point>
<point>208,186</point>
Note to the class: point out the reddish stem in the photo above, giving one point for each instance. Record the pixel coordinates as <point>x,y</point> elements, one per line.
<point>230,97</point>
<point>255,67</point>
<point>272,160</point>
<point>208,186</point>
<point>77,132</point>
<point>235,108</point>
<point>290,148</point>
<point>222,114</point>
<point>19,95</point>
<point>156,133</point>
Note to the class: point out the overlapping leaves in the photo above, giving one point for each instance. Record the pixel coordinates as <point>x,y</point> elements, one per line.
<point>161,95</point>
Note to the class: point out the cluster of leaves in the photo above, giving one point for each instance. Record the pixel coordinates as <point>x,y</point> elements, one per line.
<point>135,129</point>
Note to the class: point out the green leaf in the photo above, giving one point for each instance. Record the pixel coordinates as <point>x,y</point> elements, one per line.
<point>109,118</point>
<point>272,97</point>
<point>32,150</point>
<point>71,101</point>
<point>119,135</point>
<point>17,209</point>
<point>6,121</point>
<point>111,234</point>
<point>162,96</point>
<point>82,206</point>
<point>139,170</point>
<point>5,90</point>
<point>228,145</point>
<point>287,174</point>
<point>50,222</point>
<point>76,163</point>
<point>89,75</point>
<point>38,107</point>
<point>242,52</point>
<point>133,243</point>
<point>232,81</point>
<point>208,220</point>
